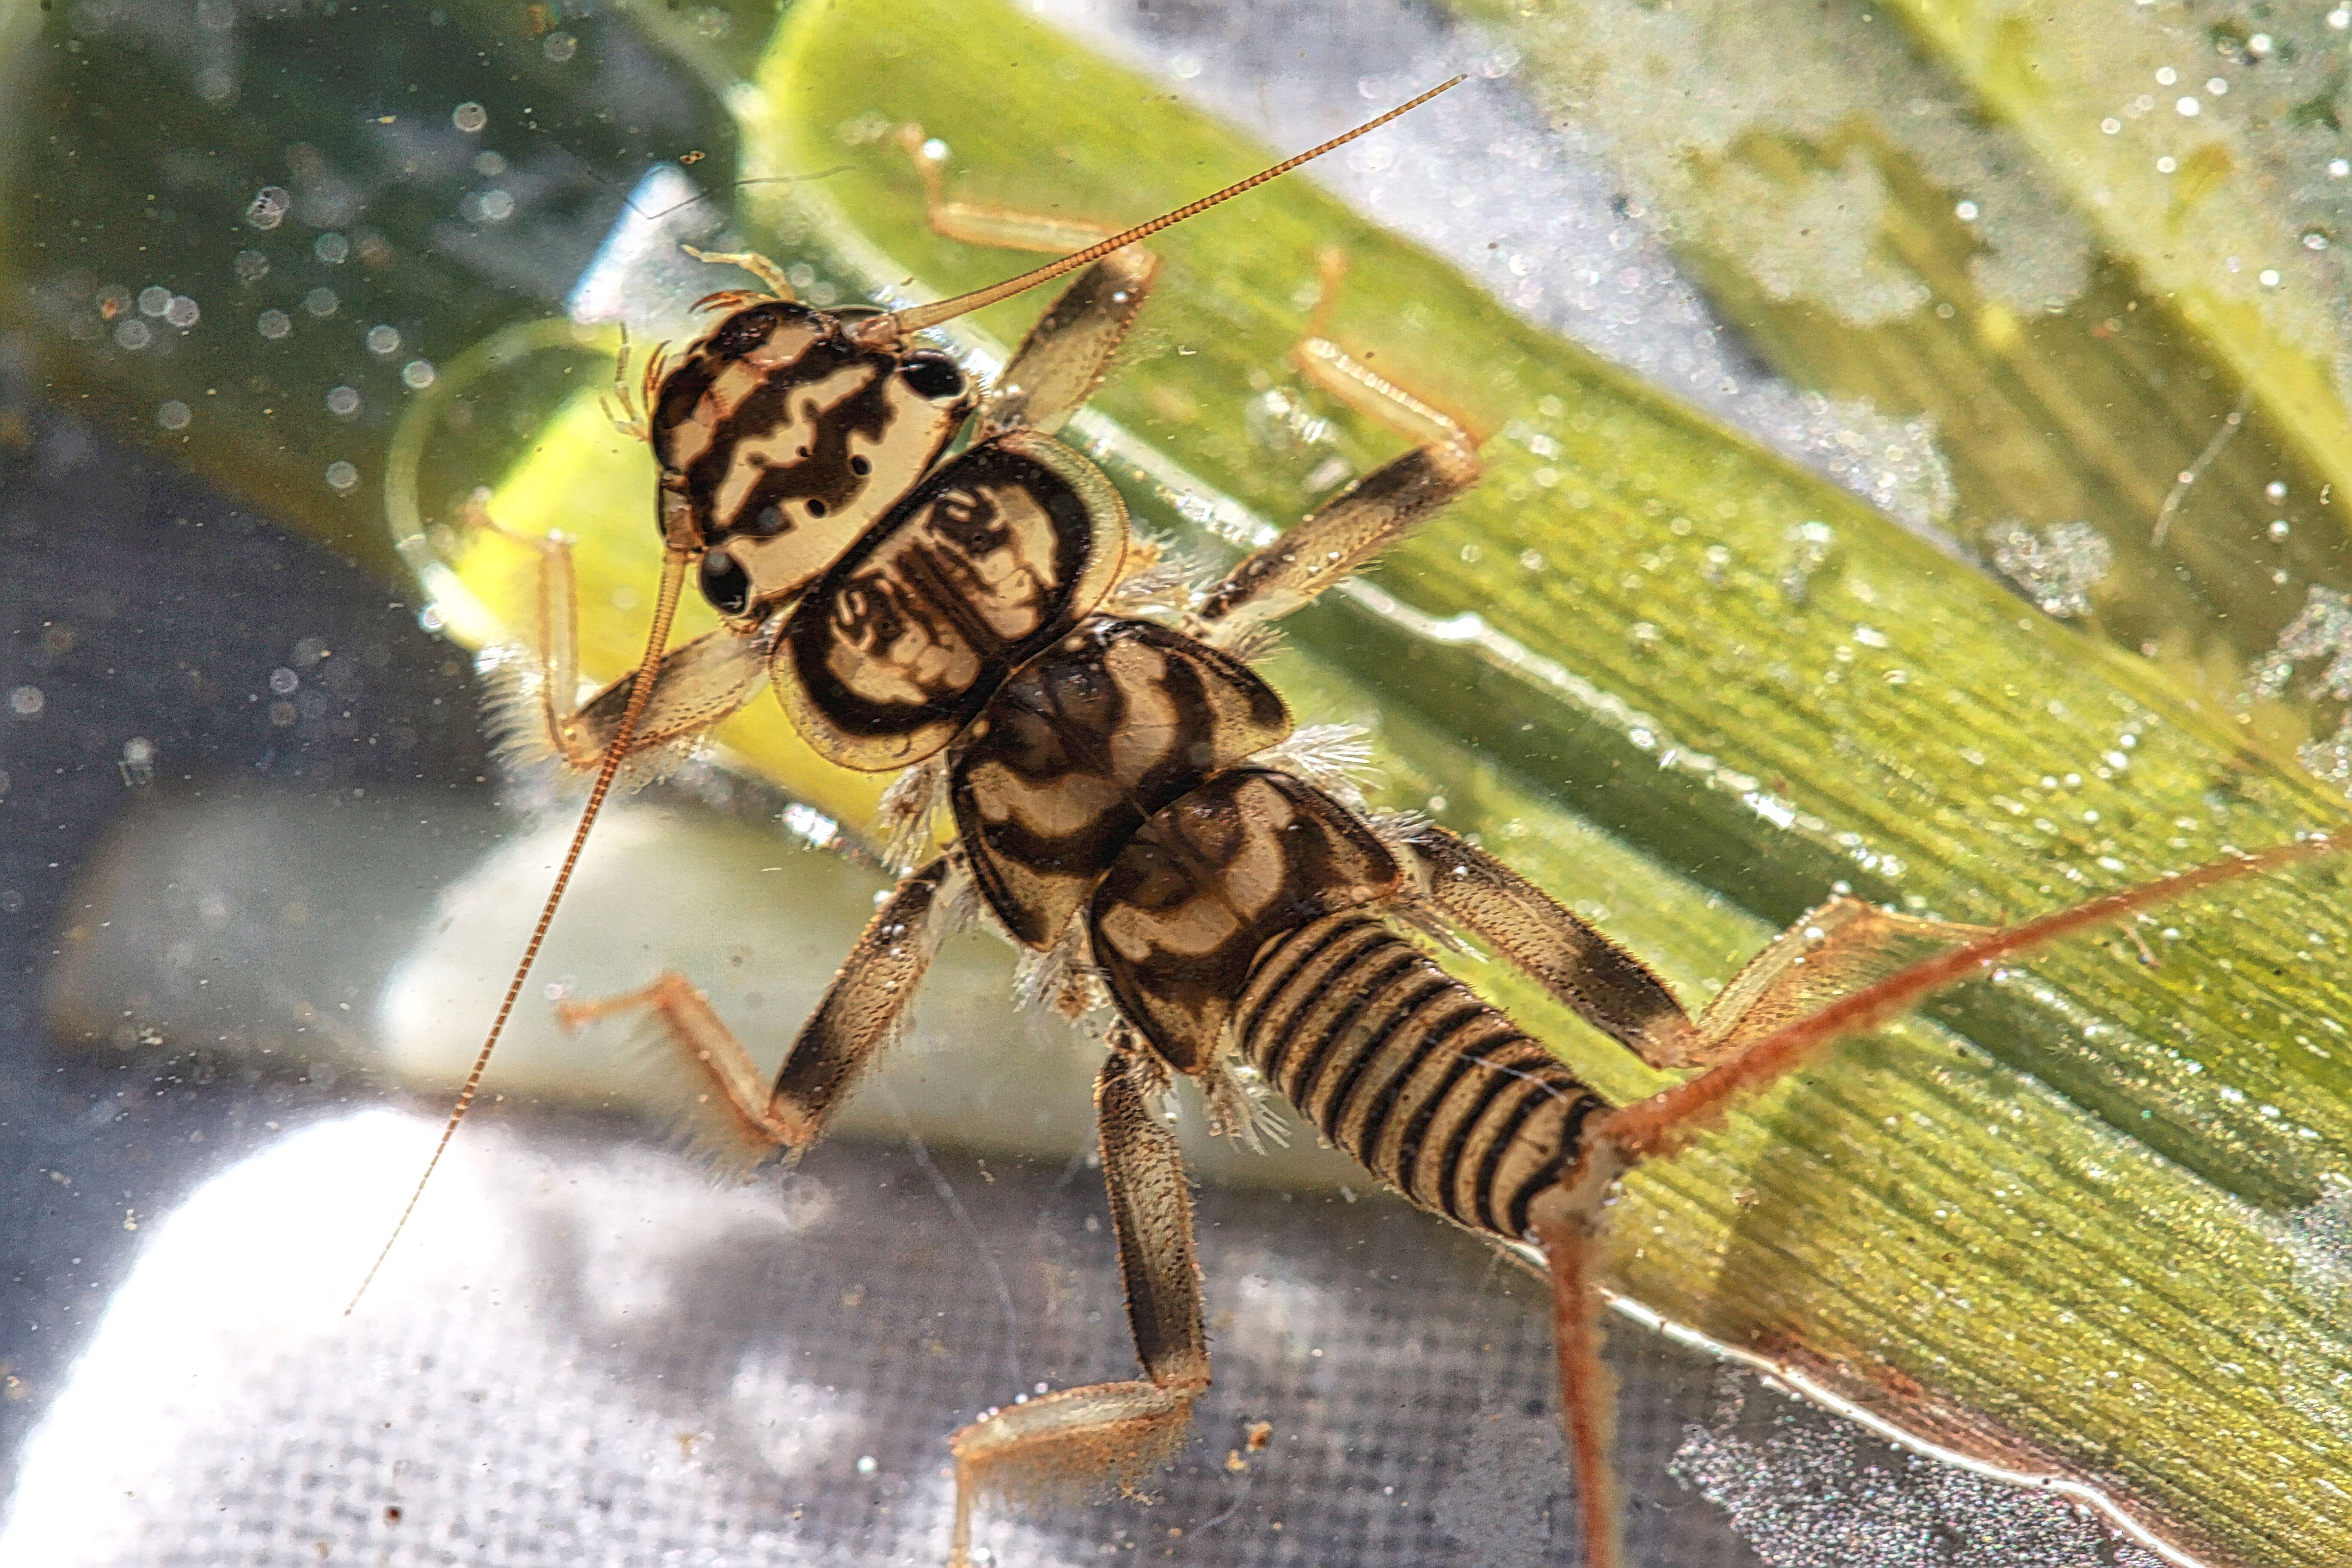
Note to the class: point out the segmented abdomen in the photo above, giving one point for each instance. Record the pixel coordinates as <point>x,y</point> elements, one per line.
<point>1405,1068</point>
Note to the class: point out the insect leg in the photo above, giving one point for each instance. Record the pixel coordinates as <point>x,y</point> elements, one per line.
<point>1837,948</point>
<point>1336,540</point>
<point>534,700</point>
<point>866,1002</point>
<point>1004,228</point>
<point>1323,361</point>
<point>1607,986</point>
<point>1567,1222</point>
<point>1779,1020</point>
<point>1063,358</point>
<point>751,261</point>
<point>1112,1432</point>
<point>860,1013</point>
<point>685,1016</point>
<point>1339,537</point>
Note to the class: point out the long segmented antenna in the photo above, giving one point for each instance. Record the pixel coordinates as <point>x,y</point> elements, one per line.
<point>674,564</point>
<point>883,329</point>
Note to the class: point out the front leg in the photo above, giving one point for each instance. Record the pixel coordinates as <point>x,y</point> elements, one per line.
<point>1111,1433</point>
<point>1066,353</point>
<point>1340,537</point>
<point>537,712</point>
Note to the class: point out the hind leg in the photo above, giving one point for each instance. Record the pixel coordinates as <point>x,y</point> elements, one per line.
<point>1780,1022</point>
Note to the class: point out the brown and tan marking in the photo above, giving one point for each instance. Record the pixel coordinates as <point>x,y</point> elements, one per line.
<point>912,630</point>
<point>1078,749</point>
<point>782,439</point>
<point>1205,884</point>
<point>1102,774</point>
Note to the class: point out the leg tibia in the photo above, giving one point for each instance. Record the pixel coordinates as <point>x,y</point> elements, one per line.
<point>684,1020</point>
<point>751,261</point>
<point>1112,1434</point>
<point>536,711</point>
<point>1056,234</point>
<point>1567,1222</point>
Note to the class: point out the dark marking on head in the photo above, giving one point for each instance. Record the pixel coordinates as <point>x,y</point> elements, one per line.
<point>779,432</point>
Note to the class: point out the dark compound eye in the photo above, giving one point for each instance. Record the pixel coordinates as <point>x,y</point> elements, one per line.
<point>934,376</point>
<point>726,584</point>
<point>860,467</point>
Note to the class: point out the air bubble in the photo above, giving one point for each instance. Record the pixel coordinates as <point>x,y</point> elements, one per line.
<point>342,478</point>
<point>274,324</point>
<point>268,207</point>
<point>174,416</point>
<point>469,117</point>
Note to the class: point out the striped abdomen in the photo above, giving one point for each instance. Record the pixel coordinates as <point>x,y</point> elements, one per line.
<point>1404,1068</point>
